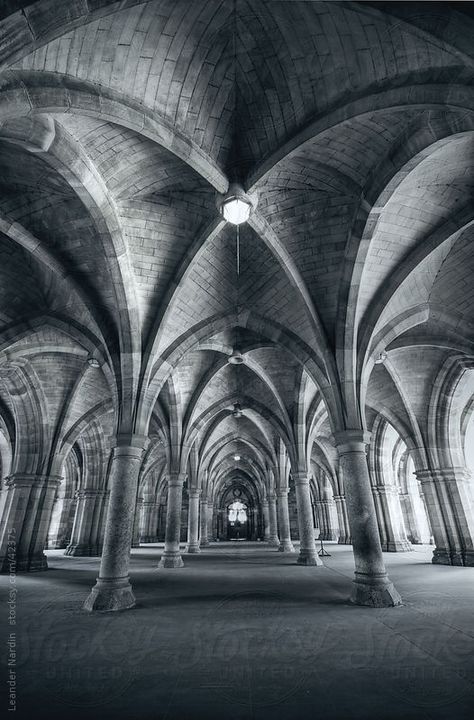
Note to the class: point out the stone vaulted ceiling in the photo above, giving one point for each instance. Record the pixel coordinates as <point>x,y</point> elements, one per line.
<point>120,125</point>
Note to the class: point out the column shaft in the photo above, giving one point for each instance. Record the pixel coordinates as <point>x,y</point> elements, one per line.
<point>85,532</point>
<point>448,503</point>
<point>171,557</point>
<point>25,521</point>
<point>193,522</point>
<point>204,524</point>
<point>266,521</point>
<point>284,522</point>
<point>390,519</point>
<point>308,554</point>
<point>112,590</point>
<point>372,585</point>
<point>273,540</point>
<point>343,520</point>
<point>60,531</point>
<point>149,522</point>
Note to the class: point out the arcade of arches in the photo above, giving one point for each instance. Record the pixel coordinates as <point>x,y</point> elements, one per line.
<point>169,378</point>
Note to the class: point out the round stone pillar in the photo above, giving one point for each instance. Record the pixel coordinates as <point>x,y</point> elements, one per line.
<point>193,522</point>
<point>328,519</point>
<point>390,518</point>
<point>25,522</point>
<point>273,539</point>
<point>136,523</point>
<point>84,538</point>
<point>149,522</point>
<point>204,524</point>
<point>284,522</point>
<point>447,495</point>
<point>342,520</point>
<point>171,557</point>
<point>266,521</point>
<point>112,590</point>
<point>372,586</point>
<point>60,532</point>
<point>308,554</point>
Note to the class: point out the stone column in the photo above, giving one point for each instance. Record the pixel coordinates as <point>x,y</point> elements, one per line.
<point>273,540</point>
<point>372,586</point>
<point>204,524</point>
<point>102,519</point>
<point>448,503</point>
<point>149,522</point>
<point>84,538</point>
<point>266,521</point>
<point>59,535</point>
<point>136,523</point>
<point>171,557</point>
<point>284,521</point>
<point>308,554</point>
<point>390,519</point>
<point>113,590</point>
<point>25,521</point>
<point>328,522</point>
<point>193,522</point>
<point>342,520</point>
<point>211,514</point>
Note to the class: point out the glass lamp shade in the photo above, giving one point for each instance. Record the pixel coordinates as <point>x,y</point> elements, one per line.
<point>236,211</point>
<point>236,358</point>
<point>93,362</point>
<point>236,458</point>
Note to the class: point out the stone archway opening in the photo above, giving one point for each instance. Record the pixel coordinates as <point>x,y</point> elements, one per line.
<point>237,521</point>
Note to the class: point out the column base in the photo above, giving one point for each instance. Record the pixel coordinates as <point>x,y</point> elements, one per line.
<point>397,546</point>
<point>171,560</point>
<point>344,540</point>
<point>374,591</point>
<point>286,546</point>
<point>204,543</point>
<point>149,539</point>
<point>83,551</point>
<point>192,548</point>
<point>309,557</point>
<point>328,536</point>
<point>460,559</point>
<point>135,544</point>
<point>110,596</point>
<point>37,563</point>
<point>274,543</point>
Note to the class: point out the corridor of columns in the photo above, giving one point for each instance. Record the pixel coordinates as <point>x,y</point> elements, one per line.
<point>237,353</point>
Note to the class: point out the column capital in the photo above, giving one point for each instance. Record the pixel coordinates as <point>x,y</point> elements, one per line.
<point>130,440</point>
<point>348,441</point>
<point>282,492</point>
<point>194,492</point>
<point>449,474</point>
<point>300,478</point>
<point>28,480</point>
<point>176,479</point>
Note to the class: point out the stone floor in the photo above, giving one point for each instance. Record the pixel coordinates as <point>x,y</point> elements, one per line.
<point>243,633</point>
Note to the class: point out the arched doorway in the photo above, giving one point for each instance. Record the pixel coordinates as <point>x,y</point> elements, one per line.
<point>237,521</point>
<point>238,510</point>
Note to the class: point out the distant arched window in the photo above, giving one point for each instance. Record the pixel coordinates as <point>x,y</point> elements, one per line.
<point>237,512</point>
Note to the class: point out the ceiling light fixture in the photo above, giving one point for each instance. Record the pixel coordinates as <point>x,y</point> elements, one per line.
<point>236,206</point>
<point>381,357</point>
<point>236,458</point>
<point>236,358</point>
<point>93,362</point>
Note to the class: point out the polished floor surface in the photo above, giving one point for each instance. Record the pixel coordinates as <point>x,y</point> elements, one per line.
<point>243,633</point>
